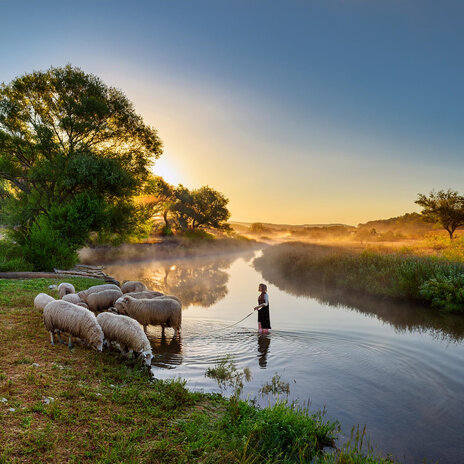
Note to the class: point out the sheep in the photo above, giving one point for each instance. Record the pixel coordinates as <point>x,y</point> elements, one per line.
<point>41,300</point>
<point>172,297</point>
<point>95,289</point>
<point>65,288</point>
<point>72,298</point>
<point>62,316</point>
<point>127,332</point>
<point>147,294</point>
<point>103,300</point>
<point>133,286</point>
<point>158,311</point>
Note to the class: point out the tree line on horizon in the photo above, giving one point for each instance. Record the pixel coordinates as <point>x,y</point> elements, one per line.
<point>75,161</point>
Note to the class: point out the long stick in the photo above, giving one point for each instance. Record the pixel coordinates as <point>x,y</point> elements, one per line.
<point>248,315</point>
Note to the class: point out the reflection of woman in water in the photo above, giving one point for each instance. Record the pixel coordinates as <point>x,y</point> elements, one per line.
<point>263,348</point>
<point>264,321</point>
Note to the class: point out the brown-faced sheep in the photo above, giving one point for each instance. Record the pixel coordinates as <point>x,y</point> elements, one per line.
<point>127,332</point>
<point>146,295</point>
<point>41,300</point>
<point>158,311</point>
<point>103,300</point>
<point>65,288</point>
<point>62,316</point>
<point>133,286</point>
<point>95,289</point>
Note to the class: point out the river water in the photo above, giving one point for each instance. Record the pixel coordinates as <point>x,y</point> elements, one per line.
<point>396,368</point>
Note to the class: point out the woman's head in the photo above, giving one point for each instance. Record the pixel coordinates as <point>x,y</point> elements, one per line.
<point>262,288</point>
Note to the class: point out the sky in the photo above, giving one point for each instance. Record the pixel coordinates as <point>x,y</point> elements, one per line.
<point>299,112</point>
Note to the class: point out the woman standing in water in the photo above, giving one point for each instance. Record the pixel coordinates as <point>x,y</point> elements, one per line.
<point>264,321</point>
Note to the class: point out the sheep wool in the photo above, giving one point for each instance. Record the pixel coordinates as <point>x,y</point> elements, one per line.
<point>62,316</point>
<point>127,332</point>
<point>95,289</point>
<point>172,297</point>
<point>65,288</point>
<point>158,311</point>
<point>41,300</point>
<point>72,298</point>
<point>146,295</point>
<point>133,286</point>
<point>103,300</point>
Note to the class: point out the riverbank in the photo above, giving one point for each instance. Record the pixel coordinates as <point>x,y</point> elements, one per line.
<point>83,406</point>
<point>434,281</point>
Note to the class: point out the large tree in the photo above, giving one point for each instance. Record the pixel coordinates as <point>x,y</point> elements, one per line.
<point>445,208</point>
<point>74,153</point>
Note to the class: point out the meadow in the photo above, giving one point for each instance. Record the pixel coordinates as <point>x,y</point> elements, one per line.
<point>82,406</point>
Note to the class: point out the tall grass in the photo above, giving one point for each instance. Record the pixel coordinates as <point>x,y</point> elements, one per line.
<point>432,280</point>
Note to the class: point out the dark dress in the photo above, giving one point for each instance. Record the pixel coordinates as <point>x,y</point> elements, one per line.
<point>263,313</point>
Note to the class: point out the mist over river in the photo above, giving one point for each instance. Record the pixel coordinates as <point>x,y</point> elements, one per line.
<point>394,367</point>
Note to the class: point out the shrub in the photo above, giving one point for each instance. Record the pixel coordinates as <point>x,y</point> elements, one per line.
<point>445,292</point>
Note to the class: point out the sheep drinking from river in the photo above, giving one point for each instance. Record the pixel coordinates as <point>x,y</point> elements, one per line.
<point>158,311</point>
<point>103,300</point>
<point>62,316</point>
<point>41,300</point>
<point>133,286</point>
<point>65,289</point>
<point>95,289</point>
<point>127,332</point>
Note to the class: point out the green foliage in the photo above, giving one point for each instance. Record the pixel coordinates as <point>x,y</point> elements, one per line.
<point>445,291</point>
<point>74,150</point>
<point>392,275</point>
<point>444,208</point>
<point>11,257</point>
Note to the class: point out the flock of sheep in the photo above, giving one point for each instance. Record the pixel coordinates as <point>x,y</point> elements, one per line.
<point>106,313</point>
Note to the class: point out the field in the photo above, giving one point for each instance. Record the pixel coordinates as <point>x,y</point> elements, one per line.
<point>82,406</point>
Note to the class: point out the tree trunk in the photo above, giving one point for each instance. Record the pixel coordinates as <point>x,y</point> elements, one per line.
<point>450,232</point>
<point>165,217</point>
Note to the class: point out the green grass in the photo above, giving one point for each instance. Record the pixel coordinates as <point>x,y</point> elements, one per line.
<point>429,279</point>
<point>82,406</point>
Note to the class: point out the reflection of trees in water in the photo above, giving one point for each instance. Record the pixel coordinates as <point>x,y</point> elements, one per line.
<point>400,314</point>
<point>197,282</point>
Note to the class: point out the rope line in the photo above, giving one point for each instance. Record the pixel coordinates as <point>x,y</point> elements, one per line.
<point>229,326</point>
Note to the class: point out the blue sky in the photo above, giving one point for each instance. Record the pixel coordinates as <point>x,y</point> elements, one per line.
<point>299,112</point>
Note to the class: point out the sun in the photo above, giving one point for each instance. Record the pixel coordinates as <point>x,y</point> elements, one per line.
<point>168,171</point>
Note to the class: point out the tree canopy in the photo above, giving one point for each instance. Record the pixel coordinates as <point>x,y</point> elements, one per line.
<point>73,154</point>
<point>443,207</point>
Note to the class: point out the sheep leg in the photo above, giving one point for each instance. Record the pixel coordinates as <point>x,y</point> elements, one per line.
<point>145,328</point>
<point>51,338</point>
<point>58,334</point>
<point>162,331</point>
<point>175,333</point>
<point>70,342</point>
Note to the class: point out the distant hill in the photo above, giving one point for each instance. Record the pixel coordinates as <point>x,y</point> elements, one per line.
<point>407,223</point>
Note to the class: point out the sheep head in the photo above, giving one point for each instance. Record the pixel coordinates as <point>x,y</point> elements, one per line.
<point>120,305</point>
<point>146,356</point>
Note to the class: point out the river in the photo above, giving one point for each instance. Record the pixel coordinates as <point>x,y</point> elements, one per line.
<point>396,368</point>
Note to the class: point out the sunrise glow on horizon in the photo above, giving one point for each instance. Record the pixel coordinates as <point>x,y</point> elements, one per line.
<point>299,113</point>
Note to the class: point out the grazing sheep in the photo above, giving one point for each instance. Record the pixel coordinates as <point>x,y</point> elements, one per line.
<point>103,300</point>
<point>158,311</point>
<point>146,295</point>
<point>62,316</point>
<point>65,288</point>
<point>127,332</point>
<point>72,298</point>
<point>95,289</point>
<point>41,300</point>
<point>133,286</point>
<point>172,297</point>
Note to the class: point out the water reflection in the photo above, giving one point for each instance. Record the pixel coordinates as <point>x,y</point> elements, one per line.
<point>197,282</point>
<point>264,342</point>
<point>404,316</point>
<point>167,351</point>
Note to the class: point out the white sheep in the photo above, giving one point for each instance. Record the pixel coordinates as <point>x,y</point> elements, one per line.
<point>65,288</point>
<point>127,332</point>
<point>172,297</point>
<point>62,316</point>
<point>99,301</point>
<point>95,289</point>
<point>158,311</point>
<point>72,298</point>
<point>147,295</point>
<point>41,300</point>
<point>133,286</point>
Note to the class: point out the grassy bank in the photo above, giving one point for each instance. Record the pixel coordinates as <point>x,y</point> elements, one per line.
<point>81,406</point>
<point>434,281</point>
